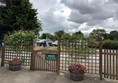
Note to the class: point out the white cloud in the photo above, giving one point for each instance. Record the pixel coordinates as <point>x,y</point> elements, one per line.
<point>75,15</point>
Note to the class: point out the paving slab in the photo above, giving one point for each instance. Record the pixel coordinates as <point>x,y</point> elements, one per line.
<point>27,76</point>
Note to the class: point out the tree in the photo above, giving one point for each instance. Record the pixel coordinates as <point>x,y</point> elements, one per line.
<point>78,35</point>
<point>43,36</point>
<point>97,33</point>
<point>48,35</point>
<point>20,37</point>
<point>59,33</point>
<point>66,36</point>
<point>113,35</point>
<point>18,15</point>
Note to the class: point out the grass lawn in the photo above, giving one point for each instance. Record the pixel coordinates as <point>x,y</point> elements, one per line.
<point>41,48</point>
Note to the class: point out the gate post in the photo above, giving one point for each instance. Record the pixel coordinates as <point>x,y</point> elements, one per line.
<point>3,55</point>
<point>100,58</point>
<point>58,58</point>
<point>32,65</point>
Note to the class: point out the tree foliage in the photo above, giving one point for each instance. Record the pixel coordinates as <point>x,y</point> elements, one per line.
<point>66,36</point>
<point>110,44</point>
<point>49,36</point>
<point>97,33</point>
<point>78,35</point>
<point>20,38</point>
<point>18,15</point>
<point>113,35</point>
<point>59,33</point>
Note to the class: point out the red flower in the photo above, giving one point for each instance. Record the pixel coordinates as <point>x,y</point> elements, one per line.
<point>77,67</point>
<point>16,60</point>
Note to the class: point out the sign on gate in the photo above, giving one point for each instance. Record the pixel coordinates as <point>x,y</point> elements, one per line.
<point>51,57</point>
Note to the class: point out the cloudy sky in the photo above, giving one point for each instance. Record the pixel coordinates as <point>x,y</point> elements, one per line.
<point>77,15</point>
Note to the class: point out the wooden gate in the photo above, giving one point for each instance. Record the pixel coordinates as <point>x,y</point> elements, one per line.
<point>46,61</point>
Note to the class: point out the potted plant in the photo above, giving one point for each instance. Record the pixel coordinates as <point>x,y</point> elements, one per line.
<point>15,64</point>
<point>77,71</point>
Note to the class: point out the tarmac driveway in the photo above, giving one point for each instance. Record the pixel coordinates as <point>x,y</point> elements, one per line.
<point>27,76</point>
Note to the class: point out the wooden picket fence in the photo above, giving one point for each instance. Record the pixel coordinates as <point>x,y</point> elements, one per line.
<point>110,63</point>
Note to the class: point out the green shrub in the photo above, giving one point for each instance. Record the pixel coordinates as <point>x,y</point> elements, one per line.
<point>110,44</point>
<point>20,38</point>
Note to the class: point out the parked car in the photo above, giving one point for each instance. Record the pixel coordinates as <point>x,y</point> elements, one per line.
<point>44,42</point>
<point>55,43</point>
<point>1,44</point>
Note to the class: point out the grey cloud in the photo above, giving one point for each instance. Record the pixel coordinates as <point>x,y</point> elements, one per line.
<point>77,17</point>
<point>53,22</point>
<point>92,12</point>
<point>84,6</point>
<point>115,1</point>
<point>2,1</point>
<point>49,12</point>
<point>85,14</point>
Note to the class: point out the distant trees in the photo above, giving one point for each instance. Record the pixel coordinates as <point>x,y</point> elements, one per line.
<point>66,36</point>
<point>48,35</point>
<point>78,35</point>
<point>113,35</point>
<point>97,33</point>
<point>63,35</point>
<point>110,39</point>
<point>59,33</point>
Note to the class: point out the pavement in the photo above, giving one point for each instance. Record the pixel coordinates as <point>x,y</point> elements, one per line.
<point>27,76</point>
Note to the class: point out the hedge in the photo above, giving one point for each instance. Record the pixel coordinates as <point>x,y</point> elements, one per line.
<point>110,44</point>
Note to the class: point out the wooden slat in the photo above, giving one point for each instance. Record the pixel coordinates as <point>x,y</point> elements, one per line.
<point>107,64</point>
<point>104,63</point>
<point>110,65</point>
<point>113,64</point>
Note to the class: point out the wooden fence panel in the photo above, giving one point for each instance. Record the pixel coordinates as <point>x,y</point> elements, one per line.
<point>77,51</point>
<point>22,53</point>
<point>110,63</point>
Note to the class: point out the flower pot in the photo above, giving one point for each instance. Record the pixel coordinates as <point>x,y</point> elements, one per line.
<point>14,66</point>
<point>76,76</point>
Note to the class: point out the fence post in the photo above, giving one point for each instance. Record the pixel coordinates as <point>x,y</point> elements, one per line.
<point>100,58</point>
<point>116,64</point>
<point>58,60</point>
<point>32,65</point>
<point>3,55</point>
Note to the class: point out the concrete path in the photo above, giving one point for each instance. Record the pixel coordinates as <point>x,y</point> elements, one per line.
<point>27,76</point>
